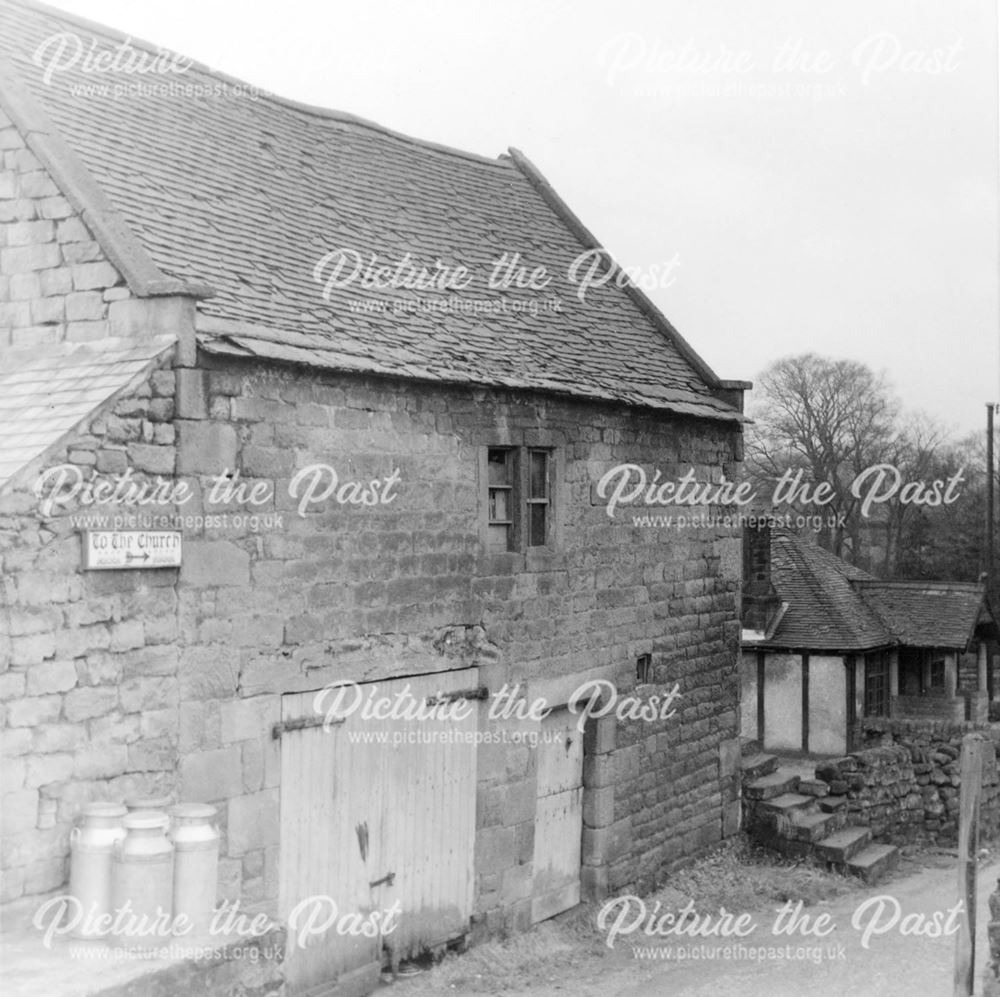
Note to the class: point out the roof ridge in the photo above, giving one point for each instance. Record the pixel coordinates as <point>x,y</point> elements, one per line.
<point>886,622</point>
<point>840,565</point>
<point>312,110</point>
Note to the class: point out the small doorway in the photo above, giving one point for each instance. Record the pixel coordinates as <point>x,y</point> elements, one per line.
<point>558,816</point>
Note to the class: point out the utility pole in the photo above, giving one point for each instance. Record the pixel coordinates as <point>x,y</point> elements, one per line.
<point>990,517</point>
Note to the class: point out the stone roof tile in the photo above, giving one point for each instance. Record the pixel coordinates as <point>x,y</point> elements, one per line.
<point>44,396</point>
<point>834,606</point>
<point>246,195</point>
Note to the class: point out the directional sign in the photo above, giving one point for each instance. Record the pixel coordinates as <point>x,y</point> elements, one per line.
<point>107,549</point>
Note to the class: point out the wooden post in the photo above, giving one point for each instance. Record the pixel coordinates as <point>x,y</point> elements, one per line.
<point>968,846</point>
<point>761,719</point>
<point>805,704</point>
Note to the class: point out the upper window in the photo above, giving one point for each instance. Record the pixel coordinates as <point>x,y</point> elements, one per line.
<point>519,505</point>
<point>538,498</point>
<point>501,499</point>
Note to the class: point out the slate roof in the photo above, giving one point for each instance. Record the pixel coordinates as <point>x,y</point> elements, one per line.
<point>926,614</point>
<point>44,396</point>
<point>834,606</point>
<point>248,195</point>
<point>825,610</point>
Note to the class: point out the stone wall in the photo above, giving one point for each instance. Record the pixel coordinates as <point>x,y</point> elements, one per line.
<point>55,281</point>
<point>906,786</point>
<point>88,661</point>
<point>930,708</point>
<point>170,680</point>
<point>991,973</point>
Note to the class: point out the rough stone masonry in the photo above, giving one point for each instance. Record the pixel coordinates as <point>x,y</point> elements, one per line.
<point>117,682</point>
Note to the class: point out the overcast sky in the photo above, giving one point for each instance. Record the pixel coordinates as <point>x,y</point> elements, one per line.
<point>799,176</point>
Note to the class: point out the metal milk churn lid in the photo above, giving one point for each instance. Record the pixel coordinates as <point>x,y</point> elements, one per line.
<point>196,866</point>
<point>142,880</point>
<point>160,802</point>
<point>92,845</point>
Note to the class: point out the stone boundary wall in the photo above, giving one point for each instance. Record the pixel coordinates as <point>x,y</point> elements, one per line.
<point>991,974</point>
<point>906,786</point>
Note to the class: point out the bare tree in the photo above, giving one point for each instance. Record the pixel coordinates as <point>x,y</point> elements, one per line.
<point>946,541</point>
<point>920,452</point>
<point>829,418</point>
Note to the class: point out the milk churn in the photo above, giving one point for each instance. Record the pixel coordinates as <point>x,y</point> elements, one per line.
<point>92,844</point>
<point>196,865</point>
<point>142,877</point>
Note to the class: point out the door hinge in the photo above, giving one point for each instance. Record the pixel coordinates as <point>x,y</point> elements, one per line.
<point>450,697</point>
<point>304,723</point>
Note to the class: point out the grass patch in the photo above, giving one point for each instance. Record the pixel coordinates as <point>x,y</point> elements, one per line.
<point>570,947</point>
<point>742,877</point>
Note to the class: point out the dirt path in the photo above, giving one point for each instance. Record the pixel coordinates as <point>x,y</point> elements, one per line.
<point>891,964</point>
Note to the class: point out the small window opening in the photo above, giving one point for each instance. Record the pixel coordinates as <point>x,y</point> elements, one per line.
<point>644,669</point>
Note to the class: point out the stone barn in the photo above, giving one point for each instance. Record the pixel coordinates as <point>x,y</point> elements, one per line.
<point>301,425</point>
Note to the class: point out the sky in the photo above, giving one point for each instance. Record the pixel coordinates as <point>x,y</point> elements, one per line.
<point>781,176</point>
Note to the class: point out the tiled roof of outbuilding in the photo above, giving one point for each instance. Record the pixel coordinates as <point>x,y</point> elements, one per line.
<point>46,395</point>
<point>834,606</point>
<point>825,611</point>
<point>926,614</point>
<point>248,193</point>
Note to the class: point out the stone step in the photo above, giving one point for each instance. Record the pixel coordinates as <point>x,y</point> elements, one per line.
<point>789,847</point>
<point>833,804</point>
<point>840,847</point>
<point>769,786</point>
<point>757,765</point>
<point>812,826</point>
<point>750,746</point>
<point>814,787</point>
<point>873,862</point>
<point>785,804</point>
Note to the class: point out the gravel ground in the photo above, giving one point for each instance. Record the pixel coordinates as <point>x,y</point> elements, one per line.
<point>568,956</point>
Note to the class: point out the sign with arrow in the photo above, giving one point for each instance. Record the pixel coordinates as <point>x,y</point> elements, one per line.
<point>130,549</point>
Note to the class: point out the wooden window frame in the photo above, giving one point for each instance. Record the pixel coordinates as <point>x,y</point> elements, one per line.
<point>934,674</point>
<point>875,702</point>
<point>521,498</point>
<point>513,500</point>
<point>644,669</point>
<point>532,501</point>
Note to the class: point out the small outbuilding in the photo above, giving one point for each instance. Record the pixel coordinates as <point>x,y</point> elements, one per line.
<point>825,645</point>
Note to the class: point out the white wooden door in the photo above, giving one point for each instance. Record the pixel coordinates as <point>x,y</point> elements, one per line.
<point>558,816</point>
<point>374,812</point>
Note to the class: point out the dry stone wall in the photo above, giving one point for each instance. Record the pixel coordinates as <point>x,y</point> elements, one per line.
<point>906,787</point>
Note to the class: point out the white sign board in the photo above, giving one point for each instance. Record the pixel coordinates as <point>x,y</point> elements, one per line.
<point>106,549</point>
